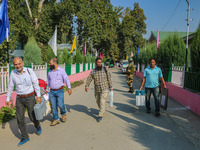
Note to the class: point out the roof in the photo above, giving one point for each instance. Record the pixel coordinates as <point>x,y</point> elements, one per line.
<point>164,34</point>
<point>17,53</point>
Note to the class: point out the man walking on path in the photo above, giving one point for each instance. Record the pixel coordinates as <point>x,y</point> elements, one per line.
<point>102,80</point>
<point>25,81</point>
<point>151,77</point>
<point>56,79</point>
<point>129,75</point>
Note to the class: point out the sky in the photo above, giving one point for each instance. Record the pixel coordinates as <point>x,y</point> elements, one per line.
<point>158,13</point>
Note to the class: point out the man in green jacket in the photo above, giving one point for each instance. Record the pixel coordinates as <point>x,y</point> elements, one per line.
<point>129,77</point>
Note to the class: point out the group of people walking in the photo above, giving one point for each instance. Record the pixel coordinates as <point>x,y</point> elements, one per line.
<point>26,83</point>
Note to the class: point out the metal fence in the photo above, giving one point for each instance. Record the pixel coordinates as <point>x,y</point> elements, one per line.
<point>4,78</point>
<point>192,79</point>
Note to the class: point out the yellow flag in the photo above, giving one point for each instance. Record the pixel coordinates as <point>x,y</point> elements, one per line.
<point>73,45</point>
<point>126,56</point>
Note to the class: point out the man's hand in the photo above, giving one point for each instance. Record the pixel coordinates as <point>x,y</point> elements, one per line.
<point>165,86</point>
<point>141,87</point>
<point>39,100</point>
<point>7,104</point>
<point>69,91</point>
<point>86,89</point>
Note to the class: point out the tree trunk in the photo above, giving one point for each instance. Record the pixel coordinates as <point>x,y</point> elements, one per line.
<point>37,23</point>
<point>29,10</point>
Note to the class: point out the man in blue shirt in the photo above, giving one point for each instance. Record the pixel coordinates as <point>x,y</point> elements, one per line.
<point>151,77</point>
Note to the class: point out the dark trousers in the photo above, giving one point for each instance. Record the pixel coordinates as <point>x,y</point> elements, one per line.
<point>21,105</point>
<point>156,94</point>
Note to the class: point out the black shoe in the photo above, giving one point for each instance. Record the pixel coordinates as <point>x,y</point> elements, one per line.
<point>99,119</point>
<point>148,111</point>
<point>129,91</point>
<point>157,114</point>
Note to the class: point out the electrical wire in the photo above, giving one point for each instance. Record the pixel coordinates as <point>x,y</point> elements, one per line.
<point>171,15</point>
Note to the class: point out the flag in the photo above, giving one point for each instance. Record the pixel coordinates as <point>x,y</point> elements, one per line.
<point>131,54</point>
<point>4,21</point>
<point>53,42</point>
<point>126,56</point>
<point>73,45</point>
<point>84,51</point>
<point>137,52</point>
<point>100,55</point>
<point>158,40</point>
<point>96,54</point>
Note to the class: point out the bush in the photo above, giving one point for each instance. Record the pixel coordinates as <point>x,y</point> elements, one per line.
<point>50,53</point>
<point>93,59</point>
<point>172,51</point>
<point>145,55</point>
<point>7,114</point>
<point>66,57</point>
<point>195,49</point>
<point>32,52</point>
<point>79,57</point>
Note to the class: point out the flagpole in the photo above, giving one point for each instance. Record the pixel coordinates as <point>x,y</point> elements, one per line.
<point>7,46</point>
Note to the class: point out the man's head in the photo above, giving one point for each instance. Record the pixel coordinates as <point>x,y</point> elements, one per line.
<point>130,60</point>
<point>53,63</point>
<point>152,62</point>
<point>18,64</point>
<point>99,62</point>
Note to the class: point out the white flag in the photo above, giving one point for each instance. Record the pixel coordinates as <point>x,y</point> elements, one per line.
<point>53,42</point>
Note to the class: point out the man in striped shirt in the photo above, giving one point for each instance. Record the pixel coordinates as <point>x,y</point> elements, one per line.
<point>102,81</point>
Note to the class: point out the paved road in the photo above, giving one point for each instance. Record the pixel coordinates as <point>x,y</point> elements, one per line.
<point>124,126</point>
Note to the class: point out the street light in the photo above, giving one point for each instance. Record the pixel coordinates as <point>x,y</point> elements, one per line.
<point>188,21</point>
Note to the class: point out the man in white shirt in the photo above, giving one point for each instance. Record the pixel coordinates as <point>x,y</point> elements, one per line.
<point>25,81</point>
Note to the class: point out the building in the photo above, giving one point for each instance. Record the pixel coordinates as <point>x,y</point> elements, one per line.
<point>164,34</point>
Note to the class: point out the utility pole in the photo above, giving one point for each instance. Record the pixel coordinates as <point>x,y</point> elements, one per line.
<point>188,21</point>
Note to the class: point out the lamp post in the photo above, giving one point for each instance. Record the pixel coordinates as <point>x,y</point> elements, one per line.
<point>188,21</point>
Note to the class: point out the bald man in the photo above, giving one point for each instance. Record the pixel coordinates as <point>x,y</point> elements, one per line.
<point>25,81</point>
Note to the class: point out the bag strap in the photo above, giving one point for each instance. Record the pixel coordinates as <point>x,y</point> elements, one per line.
<point>106,72</point>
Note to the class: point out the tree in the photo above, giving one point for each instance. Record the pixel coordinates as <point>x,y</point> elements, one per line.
<point>131,30</point>
<point>32,53</point>
<point>195,49</point>
<point>172,51</point>
<point>66,57</point>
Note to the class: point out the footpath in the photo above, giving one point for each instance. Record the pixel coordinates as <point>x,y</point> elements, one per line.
<point>124,126</point>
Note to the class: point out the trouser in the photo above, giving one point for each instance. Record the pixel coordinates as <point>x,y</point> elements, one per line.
<point>21,105</point>
<point>57,100</point>
<point>156,94</point>
<point>101,98</point>
<point>129,81</point>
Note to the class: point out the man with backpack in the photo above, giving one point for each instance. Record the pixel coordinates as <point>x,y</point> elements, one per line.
<point>25,81</point>
<point>102,81</point>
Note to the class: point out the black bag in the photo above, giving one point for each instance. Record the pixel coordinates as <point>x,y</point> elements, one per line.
<point>164,98</point>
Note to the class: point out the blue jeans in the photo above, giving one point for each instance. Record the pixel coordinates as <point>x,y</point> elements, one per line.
<point>156,94</point>
<point>57,100</point>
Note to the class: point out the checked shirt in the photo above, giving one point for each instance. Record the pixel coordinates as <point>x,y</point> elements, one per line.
<point>101,80</point>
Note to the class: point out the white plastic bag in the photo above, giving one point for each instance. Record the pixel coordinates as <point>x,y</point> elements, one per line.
<point>111,98</point>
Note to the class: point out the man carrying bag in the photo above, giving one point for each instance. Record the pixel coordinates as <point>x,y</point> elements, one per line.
<point>102,80</point>
<point>25,81</point>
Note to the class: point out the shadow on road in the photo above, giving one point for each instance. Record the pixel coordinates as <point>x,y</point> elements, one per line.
<point>80,108</point>
<point>15,130</point>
